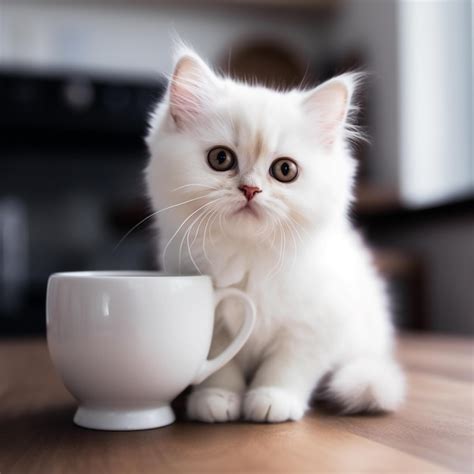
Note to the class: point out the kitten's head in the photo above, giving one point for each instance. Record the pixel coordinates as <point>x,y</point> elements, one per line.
<point>259,159</point>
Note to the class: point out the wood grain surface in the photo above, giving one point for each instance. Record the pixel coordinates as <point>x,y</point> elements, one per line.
<point>432,433</point>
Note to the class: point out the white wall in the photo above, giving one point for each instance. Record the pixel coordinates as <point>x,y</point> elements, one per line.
<point>420,56</point>
<point>435,60</point>
<point>136,40</point>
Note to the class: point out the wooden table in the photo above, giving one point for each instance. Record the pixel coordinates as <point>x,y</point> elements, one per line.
<point>432,433</point>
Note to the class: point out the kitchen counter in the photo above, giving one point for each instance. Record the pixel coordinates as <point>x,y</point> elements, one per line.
<point>432,433</point>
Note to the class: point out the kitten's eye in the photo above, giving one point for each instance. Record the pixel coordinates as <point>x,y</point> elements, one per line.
<point>284,170</point>
<point>221,159</point>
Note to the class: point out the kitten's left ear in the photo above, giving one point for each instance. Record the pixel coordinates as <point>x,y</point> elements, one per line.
<point>329,105</point>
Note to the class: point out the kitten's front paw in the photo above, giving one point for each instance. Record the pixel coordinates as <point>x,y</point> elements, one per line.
<point>214,405</point>
<point>272,405</point>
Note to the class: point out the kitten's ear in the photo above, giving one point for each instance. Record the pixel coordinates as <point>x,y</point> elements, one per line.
<point>329,105</point>
<point>190,88</point>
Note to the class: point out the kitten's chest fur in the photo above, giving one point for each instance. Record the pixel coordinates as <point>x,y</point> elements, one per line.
<point>269,322</point>
<point>251,271</point>
<point>307,295</point>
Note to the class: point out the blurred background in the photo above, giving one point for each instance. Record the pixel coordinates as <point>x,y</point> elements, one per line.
<point>77,80</point>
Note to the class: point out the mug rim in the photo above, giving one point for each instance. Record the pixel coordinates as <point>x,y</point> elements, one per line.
<point>119,274</point>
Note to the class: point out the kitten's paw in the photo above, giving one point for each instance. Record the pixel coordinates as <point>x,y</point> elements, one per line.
<point>368,385</point>
<point>213,405</point>
<point>272,405</point>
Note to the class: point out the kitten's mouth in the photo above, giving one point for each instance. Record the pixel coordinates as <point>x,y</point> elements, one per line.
<point>248,208</point>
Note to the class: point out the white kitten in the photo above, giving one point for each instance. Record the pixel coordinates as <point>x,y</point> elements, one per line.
<point>257,184</point>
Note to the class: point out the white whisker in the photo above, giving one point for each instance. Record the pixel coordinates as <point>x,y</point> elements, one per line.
<point>190,253</point>
<point>274,270</point>
<point>272,242</point>
<point>280,251</point>
<point>187,235</point>
<point>294,245</point>
<point>187,232</point>
<point>211,235</point>
<point>282,264</point>
<point>210,219</point>
<point>202,217</point>
<point>294,224</point>
<point>221,226</point>
<point>180,252</point>
<point>163,255</point>
<point>194,184</point>
<point>154,214</point>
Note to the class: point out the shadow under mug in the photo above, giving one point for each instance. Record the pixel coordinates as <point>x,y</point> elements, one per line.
<point>127,343</point>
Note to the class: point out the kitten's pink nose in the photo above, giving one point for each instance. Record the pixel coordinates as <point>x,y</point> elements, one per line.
<point>249,191</point>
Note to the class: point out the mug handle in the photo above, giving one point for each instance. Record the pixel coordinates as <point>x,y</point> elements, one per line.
<point>212,365</point>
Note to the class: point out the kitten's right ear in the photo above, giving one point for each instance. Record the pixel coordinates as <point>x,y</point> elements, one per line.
<point>190,88</point>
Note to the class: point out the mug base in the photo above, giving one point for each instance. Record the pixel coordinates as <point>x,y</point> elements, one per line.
<point>123,419</point>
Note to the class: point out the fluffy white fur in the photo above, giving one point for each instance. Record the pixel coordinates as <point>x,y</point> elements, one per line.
<point>321,306</point>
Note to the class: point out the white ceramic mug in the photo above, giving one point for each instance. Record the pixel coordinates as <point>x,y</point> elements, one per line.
<point>127,343</point>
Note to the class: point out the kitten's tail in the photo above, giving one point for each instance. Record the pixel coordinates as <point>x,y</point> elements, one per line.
<point>367,384</point>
